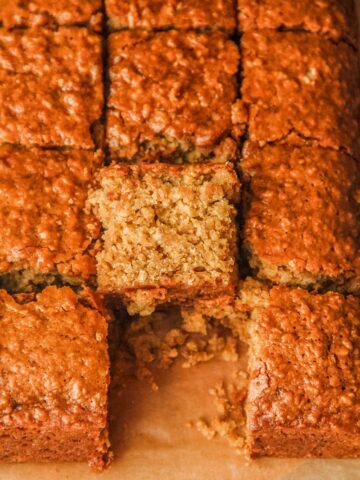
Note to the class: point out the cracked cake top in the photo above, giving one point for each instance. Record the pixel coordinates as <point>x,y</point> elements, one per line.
<point>299,87</point>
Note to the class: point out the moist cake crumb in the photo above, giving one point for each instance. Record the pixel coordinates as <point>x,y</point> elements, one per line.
<point>159,340</point>
<point>166,227</point>
<point>227,310</point>
<point>173,97</point>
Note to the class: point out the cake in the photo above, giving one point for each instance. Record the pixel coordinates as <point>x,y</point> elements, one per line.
<point>168,231</point>
<point>303,398</point>
<point>32,13</point>
<point>286,74</point>
<point>301,216</point>
<point>154,154</point>
<point>47,235</point>
<point>185,15</point>
<point>54,377</point>
<point>47,79</point>
<point>335,19</point>
<point>173,97</point>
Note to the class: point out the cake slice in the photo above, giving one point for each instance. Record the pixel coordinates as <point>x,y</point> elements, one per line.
<point>301,222</point>
<point>335,19</point>
<point>47,235</point>
<point>173,97</point>
<point>301,88</point>
<point>185,15</point>
<point>37,13</point>
<point>54,377</point>
<point>51,91</point>
<point>168,231</point>
<point>303,398</point>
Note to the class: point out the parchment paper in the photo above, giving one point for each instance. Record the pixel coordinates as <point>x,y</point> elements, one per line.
<point>151,441</point>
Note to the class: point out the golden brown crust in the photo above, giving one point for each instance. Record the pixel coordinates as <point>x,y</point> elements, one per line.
<point>158,14</point>
<point>167,229</point>
<point>54,376</point>
<point>336,19</point>
<point>302,223</point>
<point>33,13</point>
<point>173,97</point>
<point>51,91</point>
<point>44,225</point>
<point>304,376</point>
<point>286,74</point>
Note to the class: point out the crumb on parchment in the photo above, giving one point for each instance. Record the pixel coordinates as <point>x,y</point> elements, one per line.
<point>229,421</point>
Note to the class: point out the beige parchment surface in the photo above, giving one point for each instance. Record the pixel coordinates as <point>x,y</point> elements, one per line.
<point>152,442</point>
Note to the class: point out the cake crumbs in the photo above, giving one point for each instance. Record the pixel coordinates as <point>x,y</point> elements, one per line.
<point>229,422</point>
<point>158,340</point>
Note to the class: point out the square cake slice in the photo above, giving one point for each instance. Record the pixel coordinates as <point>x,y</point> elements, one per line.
<point>304,391</point>
<point>46,233</point>
<point>51,91</point>
<point>173,97</point>
<point>168,231</point>
<point>302,222</point>
<point>335,19</point>
<point>36,13</point>
<point>54,377</point>
<point>184,15</point>
<point>287,74</point>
